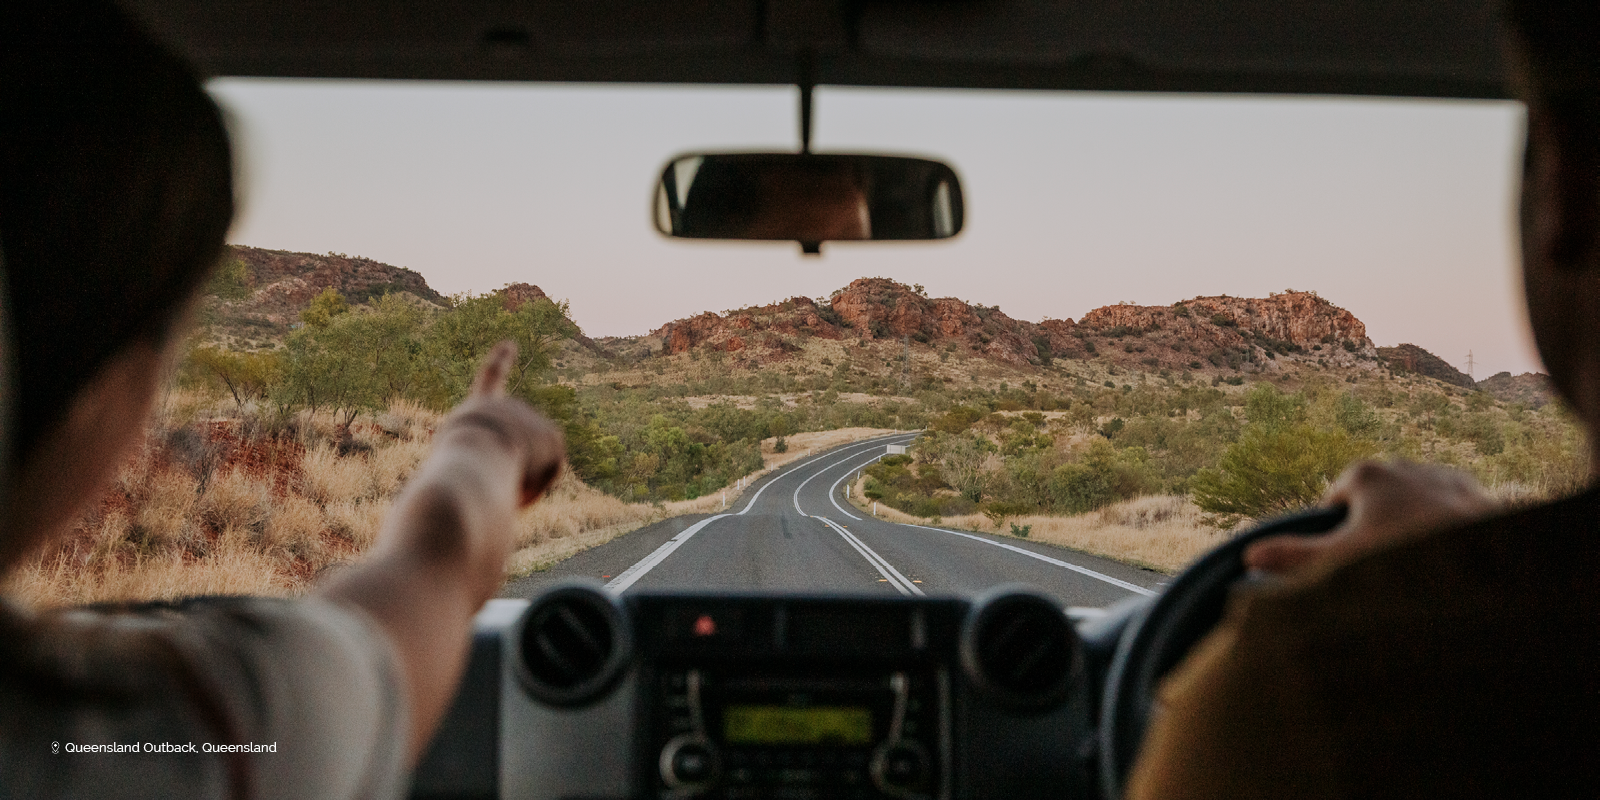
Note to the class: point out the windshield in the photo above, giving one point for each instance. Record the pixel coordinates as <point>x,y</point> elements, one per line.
<point>1166,317</point>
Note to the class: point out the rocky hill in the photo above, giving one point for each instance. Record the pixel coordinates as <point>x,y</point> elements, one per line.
<point>258,294</point>
<point>1205,333</point>
<point>1531,389</point>
<point>1411,358</point>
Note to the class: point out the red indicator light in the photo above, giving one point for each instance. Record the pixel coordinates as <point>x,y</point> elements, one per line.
<point>705,626</point>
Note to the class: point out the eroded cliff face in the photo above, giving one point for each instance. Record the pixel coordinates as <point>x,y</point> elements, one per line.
<point>873,309</point>
<point>1216,334</point>
<point>770,330</point>
<point>1299,318</point>
<point>276,285</point>
<point>1204,333</point>
<point>1411,358</point>
<point>877,308</point>
<point>1532,389</point>
<point>1245,334</point>
<point>283,282</point>
<point>514,295</point>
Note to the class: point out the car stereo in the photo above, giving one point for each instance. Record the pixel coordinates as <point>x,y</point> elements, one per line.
<point>678,696</point>
<point>756,699</point>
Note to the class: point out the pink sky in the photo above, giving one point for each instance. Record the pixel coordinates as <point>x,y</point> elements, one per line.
<point>1400,211</point>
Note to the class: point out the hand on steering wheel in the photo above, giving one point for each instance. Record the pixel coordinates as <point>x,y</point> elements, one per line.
<point>1159,638</point>
<point>1389,502</point>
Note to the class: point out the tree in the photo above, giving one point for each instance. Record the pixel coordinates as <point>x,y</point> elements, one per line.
<point>961,463</point>
<point>246,376</point>
<point>387,338</point>
<point>324,307</point>
<point>1275,468</point>
<point>458,340</point>
<point>323,368</point>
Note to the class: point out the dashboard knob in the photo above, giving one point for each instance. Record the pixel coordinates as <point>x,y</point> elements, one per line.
<point>689,762</point>
<point>899,766</point>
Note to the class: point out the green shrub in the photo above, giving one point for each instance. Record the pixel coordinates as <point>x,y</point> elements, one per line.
<point>1275,468</point>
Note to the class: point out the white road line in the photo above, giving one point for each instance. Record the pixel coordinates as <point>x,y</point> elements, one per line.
<point>1132,587</point>
<point>813,476</point>
<point>814,460</point>
<point>632,574</point>
<point>834,499</point>
<point>898,581</point>
<point>620,583</point>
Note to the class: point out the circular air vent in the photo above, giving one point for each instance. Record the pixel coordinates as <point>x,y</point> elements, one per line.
<point>1019,647</point>
<point>572,643</point>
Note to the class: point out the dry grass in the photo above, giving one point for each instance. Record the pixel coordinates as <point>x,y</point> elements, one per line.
<point>1163,532</point>
<point>214,503</point>
<point>573,507</point>
<point>218,504</point>
<point>237,502</point>
<point>235,566</point>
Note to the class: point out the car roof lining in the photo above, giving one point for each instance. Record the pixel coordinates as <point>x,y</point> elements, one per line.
<point>1442,48</point>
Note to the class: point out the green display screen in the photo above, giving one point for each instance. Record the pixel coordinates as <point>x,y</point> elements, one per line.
<point>785,725</point>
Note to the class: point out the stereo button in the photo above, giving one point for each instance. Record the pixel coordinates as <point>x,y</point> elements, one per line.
<point>900,766</point>
<point>689,762</point>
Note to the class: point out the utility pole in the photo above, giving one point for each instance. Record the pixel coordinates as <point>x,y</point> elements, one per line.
<point>1470,363</point>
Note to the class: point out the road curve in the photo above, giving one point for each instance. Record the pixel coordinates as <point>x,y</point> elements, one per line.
<point>793,531</point>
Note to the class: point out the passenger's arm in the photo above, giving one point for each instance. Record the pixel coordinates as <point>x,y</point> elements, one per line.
<point>442,550</point>
<point>1390,502</point>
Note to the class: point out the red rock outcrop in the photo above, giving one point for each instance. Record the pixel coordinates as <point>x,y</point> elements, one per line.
<point>289,280</point>
<point>1206,333</point>
<point>876,309</point>
<point>1230,333</point>
<point>1532,389</point>
<point>514,295</point>
<point>1411,358</point>
<point>1300,318</point>
<point>766,328</point>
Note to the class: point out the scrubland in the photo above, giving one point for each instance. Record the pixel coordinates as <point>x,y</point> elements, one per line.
<point>267,468</point>
<point>1162,532</point>
<point>1158,472</point>
<point>215,502</point>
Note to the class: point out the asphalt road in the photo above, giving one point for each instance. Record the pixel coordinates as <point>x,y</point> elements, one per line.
<point>794,531</point>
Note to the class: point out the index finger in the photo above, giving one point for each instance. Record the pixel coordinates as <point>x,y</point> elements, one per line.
<point>491,378</point>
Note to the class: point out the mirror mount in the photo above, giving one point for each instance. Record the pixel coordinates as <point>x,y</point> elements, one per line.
<point>808,85</point>
<point>806,67</point>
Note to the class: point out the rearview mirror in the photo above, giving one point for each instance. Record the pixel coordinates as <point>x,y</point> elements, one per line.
<point>807,198</point>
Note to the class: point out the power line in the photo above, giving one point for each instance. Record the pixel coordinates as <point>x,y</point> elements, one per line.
<point>1470,363</point>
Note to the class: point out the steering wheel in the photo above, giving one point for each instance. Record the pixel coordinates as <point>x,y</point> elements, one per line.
<point>1160,637</point>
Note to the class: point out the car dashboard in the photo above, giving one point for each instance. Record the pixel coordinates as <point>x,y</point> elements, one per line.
<point>580,693</point>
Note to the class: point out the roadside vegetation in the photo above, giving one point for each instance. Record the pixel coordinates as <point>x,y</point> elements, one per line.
<point>270,465</point>
<point>1208,458</point>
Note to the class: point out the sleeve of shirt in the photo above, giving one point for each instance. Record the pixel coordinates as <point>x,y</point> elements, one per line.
<point>309,687</point>
<point>1237,719</point>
